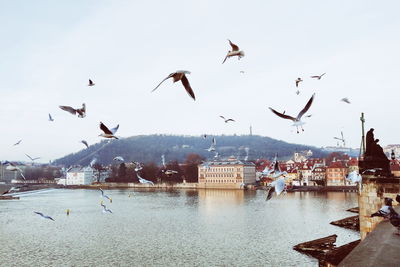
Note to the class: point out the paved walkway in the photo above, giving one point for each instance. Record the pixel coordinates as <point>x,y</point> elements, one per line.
<point>381,247</point>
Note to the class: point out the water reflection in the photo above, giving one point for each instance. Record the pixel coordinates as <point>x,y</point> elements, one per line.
<point>169,228</point>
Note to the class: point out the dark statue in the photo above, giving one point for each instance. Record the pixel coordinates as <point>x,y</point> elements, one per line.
<point>375,159</point>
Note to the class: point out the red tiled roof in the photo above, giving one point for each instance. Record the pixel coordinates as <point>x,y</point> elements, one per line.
<point>337,164</point>
<point>394,167</point>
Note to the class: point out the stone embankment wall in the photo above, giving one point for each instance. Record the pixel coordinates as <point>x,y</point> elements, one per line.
<point>371,199</point>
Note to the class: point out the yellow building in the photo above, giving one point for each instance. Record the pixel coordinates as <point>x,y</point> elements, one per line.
<point>231,173</point>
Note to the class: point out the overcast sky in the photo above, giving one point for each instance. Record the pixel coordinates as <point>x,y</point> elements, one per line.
<point>49,50</point>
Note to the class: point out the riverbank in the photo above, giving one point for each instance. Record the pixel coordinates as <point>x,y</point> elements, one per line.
<point>198,186</point>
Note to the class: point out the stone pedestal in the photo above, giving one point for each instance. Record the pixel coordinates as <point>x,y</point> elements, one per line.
<point>371,199</point>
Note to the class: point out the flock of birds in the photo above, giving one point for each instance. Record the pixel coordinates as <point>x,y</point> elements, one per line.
<point>278,186</point>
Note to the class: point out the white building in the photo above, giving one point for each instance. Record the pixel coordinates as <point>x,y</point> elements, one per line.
<point>80,176</point>
<point>231,173</point>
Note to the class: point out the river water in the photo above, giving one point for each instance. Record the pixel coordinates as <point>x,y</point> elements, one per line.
<point>168,228</point>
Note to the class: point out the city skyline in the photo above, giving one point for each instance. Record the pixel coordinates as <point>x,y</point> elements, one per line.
<point>51,50</point>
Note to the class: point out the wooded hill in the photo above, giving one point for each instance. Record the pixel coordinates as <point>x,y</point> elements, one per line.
<point>149,148</point>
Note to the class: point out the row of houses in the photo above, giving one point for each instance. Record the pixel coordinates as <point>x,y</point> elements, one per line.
<point>299,170</point>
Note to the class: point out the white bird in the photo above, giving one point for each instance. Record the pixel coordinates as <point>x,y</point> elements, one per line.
<point>296,121</point>
<point>354,177</point>
<point>213,144</point>
<point>105,210</point>
<point>44,216</point>
<point>81,111</point>
<point>85,143</point>
<point>169,173</point>
<point>91,83</point>
<point>107,132</point>
<point>143,181</point>
<point>373,170</point>
<point>119,158</point>
<point>298,80</point>
<point>274,170</point>
<point>104,195</point>
<point>318,76</point>
<point>32,159</point>
<point>138,166</point>
<point>235,52</point>
<point>50,117</point>
<point>277,186</point>
<point>226,120</point>
<point>12,167</point>
<point>17,143</point>
<point>94,160</point>
<point>180,75</point>
<point>163,160</point>
<point>346,100</point>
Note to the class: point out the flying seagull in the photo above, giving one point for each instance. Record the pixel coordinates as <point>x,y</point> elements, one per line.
<point>296,121</point>
<point>138,166</point>
<point>180,75</point>
<point>85,143</point>
<point>33,159</point>
<point>169,173</point>
<point>163,160</point>
<point>105,210</point>
<point>119,158</point>
<point>213,144</point>
<point>104,195</point>
<point>355,178</point>
<point>235,52</point>
<point>17,143</point>
<point>50,117</point>
<point>318,76</point>
<point>346,100</point>
<point>91,83</point>
<point>276,186</point>
<point>297,92</point>
<point>44,216</point>
<point>94,160</point>
<point>12,167</point>
<point>81,111</point>
<point>298,80</point>
<point>107,132</point>
<point>226,120</point>
<point>143,181</point>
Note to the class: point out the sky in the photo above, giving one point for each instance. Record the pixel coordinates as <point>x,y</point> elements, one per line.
<point>50,49</point>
